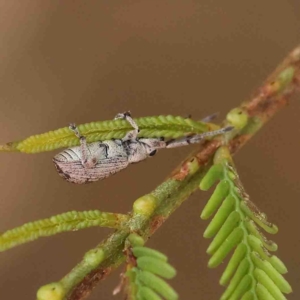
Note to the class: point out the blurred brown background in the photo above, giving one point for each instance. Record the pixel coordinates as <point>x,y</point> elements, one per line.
<point>81,61</point>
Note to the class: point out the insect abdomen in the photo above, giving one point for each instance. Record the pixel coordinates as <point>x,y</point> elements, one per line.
<point>68,155</point>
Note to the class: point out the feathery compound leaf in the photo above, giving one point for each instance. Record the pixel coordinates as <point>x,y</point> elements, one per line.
<point>157,126</point>
<point>144,267</point>
<point>69,221</point>
<point>252,272</point>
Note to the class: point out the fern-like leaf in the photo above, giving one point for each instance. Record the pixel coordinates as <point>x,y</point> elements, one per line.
<point>69,221</point>
<point>146,270</point>
<point>252,272</point>
<point>150,127</point>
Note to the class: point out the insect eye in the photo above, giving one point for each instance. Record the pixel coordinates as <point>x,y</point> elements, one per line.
<point>152,153</point>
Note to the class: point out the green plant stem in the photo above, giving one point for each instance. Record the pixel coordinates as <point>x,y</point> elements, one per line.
<point>270,98</point>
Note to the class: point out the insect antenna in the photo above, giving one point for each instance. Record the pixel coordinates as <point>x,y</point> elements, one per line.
<point>196,138</point>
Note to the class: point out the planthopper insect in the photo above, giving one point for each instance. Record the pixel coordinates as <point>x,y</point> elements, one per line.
<point>91,162</point>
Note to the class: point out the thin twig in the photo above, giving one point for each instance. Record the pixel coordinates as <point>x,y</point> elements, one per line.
<point>167,197</point>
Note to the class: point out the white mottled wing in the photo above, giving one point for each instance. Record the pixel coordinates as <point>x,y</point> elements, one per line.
<point>75,172</point>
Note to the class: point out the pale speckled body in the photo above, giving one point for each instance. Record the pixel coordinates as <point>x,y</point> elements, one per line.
<point>95,161</point>
<point>109,158</point>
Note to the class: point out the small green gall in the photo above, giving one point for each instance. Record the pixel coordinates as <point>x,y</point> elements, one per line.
<point>193,166</point>
<point>237,117</point>
<point>135,240</point>
<point>94,257</point>
<point>145,205</point>
<point>51,291</point>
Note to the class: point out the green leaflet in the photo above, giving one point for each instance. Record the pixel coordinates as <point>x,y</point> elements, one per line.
<point>143,281</point>
<point>156,284</point>
<point>220,217</point>
<point>237,257</point>
<point>215,200</point>
<point>150,127</point>
<point>227,228</point>
<point>156,266</point>
<point>147,294</point>
<point>229,243</point>
<point>252,272</point>
<point>69,221</point>
<point>254,230</point>
<point>148,252</point>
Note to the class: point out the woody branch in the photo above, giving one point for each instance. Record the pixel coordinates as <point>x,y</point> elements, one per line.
<point>152,210</point>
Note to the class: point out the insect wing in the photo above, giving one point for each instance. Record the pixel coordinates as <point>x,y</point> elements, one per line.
<point>109,166</point>
<point>75,172</point>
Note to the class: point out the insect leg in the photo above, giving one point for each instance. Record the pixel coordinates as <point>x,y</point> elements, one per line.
<point>210,118</point>
<point>194,139</point>
<point>86,160</point>
<point>206,119</point>
<point>131,135</point>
